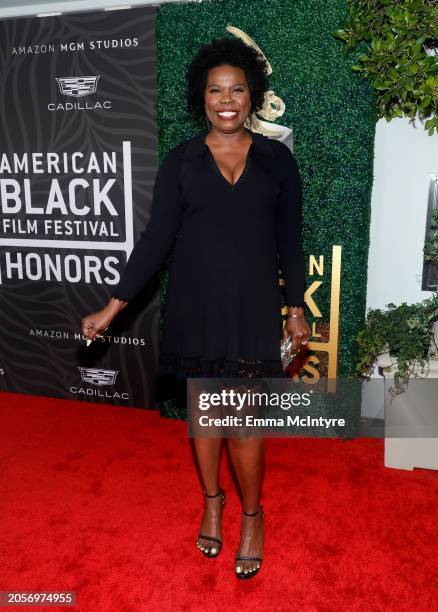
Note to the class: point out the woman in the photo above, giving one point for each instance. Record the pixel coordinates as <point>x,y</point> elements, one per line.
<point>232,200</point>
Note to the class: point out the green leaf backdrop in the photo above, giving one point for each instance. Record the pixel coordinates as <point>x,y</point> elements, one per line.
<point>331,110</point>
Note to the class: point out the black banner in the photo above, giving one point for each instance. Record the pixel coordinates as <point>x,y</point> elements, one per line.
<point>77,168</point>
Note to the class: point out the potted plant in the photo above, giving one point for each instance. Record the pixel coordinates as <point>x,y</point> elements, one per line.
<point>401,340</point>
<point>400,336</point>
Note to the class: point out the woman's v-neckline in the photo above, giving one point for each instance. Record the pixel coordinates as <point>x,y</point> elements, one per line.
<point>219,171</point>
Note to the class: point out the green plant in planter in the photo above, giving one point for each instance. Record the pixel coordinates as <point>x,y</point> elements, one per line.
<point>398,39</point>
<point>405,331</point>
<point>431,246</point>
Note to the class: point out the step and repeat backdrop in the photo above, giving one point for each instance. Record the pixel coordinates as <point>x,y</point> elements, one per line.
<point>82,98</point>
<point>78,161</point>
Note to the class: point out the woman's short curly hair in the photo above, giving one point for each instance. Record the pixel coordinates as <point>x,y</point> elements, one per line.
<point>231,51</point>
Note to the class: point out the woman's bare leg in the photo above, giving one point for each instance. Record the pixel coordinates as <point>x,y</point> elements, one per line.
<point>247,457</point>
<point>208,452</point>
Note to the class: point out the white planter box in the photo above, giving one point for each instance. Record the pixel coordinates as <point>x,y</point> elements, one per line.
<point>414,408</point>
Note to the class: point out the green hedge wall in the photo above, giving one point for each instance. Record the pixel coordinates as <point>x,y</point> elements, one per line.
<point>330,108</point>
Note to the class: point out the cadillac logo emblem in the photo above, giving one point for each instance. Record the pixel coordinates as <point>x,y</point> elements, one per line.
<point>78,87</point>
<point>98,377</point>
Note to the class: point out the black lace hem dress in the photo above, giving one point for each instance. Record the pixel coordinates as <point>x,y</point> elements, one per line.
<point>222,316</point>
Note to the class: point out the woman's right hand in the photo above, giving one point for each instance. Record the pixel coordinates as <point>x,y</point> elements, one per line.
<point>95,323</point>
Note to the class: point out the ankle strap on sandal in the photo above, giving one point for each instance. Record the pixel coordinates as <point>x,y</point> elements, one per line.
<point>253,513</point>
<point>217,494</point>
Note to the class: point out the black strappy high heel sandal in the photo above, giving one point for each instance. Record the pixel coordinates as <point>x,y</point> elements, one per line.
<point>251,573</point>
<point>218,543</point>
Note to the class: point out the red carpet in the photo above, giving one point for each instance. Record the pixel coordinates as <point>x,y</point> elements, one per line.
<point>104,501</point>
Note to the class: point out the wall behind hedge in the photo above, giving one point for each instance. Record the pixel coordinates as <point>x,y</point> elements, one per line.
<point>329,107</point>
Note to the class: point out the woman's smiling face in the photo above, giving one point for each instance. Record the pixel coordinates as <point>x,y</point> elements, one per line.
<point>227,98</point>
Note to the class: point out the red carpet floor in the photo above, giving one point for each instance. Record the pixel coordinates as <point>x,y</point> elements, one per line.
<point>104,501</point>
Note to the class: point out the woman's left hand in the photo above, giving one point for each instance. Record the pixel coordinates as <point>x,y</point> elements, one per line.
<point>299,331</point>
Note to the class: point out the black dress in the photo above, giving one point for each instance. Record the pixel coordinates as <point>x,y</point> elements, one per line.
<point>222,315</point>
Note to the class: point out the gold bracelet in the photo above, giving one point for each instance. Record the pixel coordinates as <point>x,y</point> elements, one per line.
<point>294,315</point>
